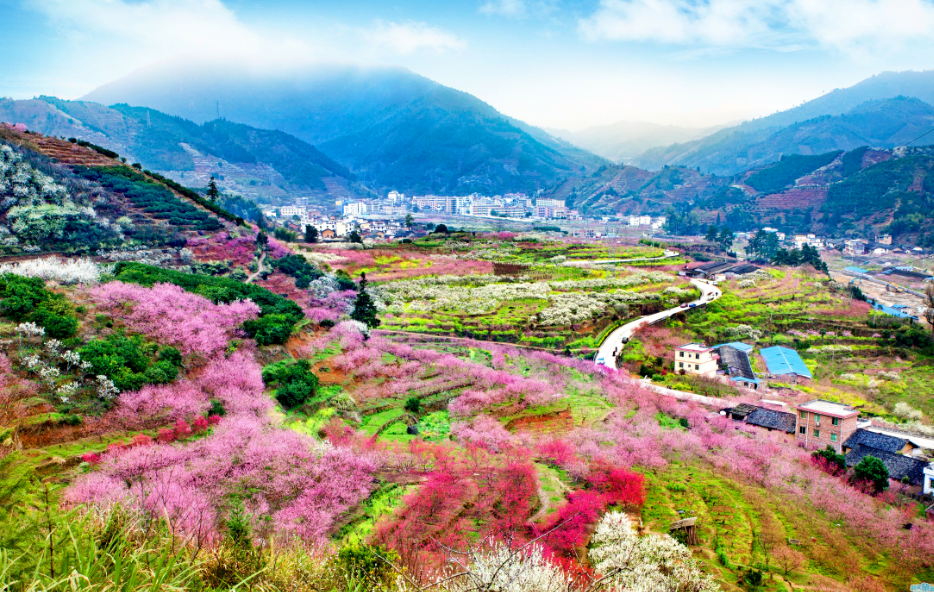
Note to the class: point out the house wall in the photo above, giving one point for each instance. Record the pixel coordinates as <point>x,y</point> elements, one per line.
<point>826,432</point>
<point>693,362</point>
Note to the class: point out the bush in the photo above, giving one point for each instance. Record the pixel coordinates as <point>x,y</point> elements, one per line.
<point>873,471</point>
<point>413,405</point>
<point>127,361</point>
<point>27,299</point>
<point>297,383</point>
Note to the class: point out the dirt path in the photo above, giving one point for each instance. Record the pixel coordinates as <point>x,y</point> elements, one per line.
<point>259,269</point>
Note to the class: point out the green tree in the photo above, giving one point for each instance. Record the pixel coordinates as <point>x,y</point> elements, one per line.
<point>355,237</point>
<point>213,193</point>
<point>764,245</point>
<point>262,240</point>
<point>872,470</point>
<point>712,234</point>
<point>441,228</point>
<point>311,234</point>
<point>364,309</point>
<point>726,238</point>
<point>409,220</point>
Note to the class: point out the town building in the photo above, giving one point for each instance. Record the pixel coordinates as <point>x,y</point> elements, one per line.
<point>775,425</point>
<point>824,423</point>
<point>696,358</point>
<point>289,211</point>
<point>354,208</point>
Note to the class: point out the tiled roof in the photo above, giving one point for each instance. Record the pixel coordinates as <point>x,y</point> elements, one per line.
<point>776,420</point>
<point>875,440</point>
<point>741,410</point>
<point>899,466</point>
<point>736,361</point>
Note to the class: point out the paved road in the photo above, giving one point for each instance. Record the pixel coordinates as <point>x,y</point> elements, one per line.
<point>615,340</point>
<point>668,255</point>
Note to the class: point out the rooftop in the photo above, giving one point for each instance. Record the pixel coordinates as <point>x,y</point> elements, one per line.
<point>875,440</point>
<point>899,466</point>
<point>781,360</point>
<point>774,420</point>
<point>736,361</point>
<point>827,408</point>
<point>736,345</point>
<point>699,347</point>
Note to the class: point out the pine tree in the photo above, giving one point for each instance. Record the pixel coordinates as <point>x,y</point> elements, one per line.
<point>213,192</point>
<point>364,309</point>
<point>311,234</point>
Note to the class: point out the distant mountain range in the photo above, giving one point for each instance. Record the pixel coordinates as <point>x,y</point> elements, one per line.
<point>624,141</point>
<point>257,162</point>
<point>392,128</point>
<point>883,112</point>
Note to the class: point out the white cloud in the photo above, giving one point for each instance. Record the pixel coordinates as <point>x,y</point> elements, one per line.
<point>408,38</point>
<point>503,7</point>
<point>154,26</point>
<point>853,26</point>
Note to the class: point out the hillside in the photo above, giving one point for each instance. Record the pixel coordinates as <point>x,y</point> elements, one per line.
<point>391,127</point>
<point>61,197</point>
<point>883,111</point>
<point>260,163</point>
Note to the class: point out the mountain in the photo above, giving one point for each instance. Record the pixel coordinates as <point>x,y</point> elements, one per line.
<point>253,161</point>
<point>884,123</point>
<point>625,140</point>
<point>728,151</point>
<point>391,127</point>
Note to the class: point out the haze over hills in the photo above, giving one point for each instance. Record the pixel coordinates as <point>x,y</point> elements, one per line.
<point>393,128</point>
<point>624,141</point>
<point>260,163</point>
<point>840,120</point>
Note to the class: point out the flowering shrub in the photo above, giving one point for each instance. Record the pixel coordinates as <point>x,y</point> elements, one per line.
<point>484,431</point>
<point>650,563</point>
<point>77,271</point>
<point>170,314</point>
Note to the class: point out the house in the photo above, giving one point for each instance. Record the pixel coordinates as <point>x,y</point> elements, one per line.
<point>824,423</point>
<point>328,233</point>
<point>695,358</point>
<point>911,471</point>
<point>883,442</point>
<point>775,425</point>
<point>784,362</point>
<point>736,361</point>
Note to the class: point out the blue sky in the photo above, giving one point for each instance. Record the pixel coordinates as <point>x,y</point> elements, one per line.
<point>553,63</point>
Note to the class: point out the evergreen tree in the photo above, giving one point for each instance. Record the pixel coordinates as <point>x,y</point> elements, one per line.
<point>213,192</point>
<point>726,238</point>
<point>355,237</point>
<point>409,220</point>
<point>872,470</point>
<point>262,240</point>
<point>311,234</point>
<point>364,309</point>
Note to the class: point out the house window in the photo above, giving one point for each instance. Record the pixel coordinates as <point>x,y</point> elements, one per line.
<point>816,419</point>
<point>680,364</point>
<point>817,433</point>
<point>681,354</point>
<point>835,421</point>
<point>802,430</point>
<point>833,437</point>
<point>696,367</point>
<point>803,414</point>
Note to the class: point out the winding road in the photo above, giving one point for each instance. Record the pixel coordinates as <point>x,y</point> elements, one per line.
<point>615,340</point>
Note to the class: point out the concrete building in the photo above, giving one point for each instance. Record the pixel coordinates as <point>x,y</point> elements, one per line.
<point>289,211</point>
<point>696,358</point>
<point>354,208</point>
<point>824,423</point>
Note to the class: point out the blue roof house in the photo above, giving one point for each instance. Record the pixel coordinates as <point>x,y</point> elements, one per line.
<point>782,361</point>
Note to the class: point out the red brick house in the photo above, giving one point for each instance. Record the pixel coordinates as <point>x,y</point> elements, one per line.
<point>821,423</point>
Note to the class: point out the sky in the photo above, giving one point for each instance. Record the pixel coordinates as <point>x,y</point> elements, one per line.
<point>558,64</point>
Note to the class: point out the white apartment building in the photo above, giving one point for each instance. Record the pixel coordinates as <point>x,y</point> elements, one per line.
<point>354,208</point>
<point>549,203</point>
<point>289,211</point>
<point>395,198</point>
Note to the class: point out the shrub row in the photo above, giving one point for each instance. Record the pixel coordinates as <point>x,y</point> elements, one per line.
<point>149,195</point>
